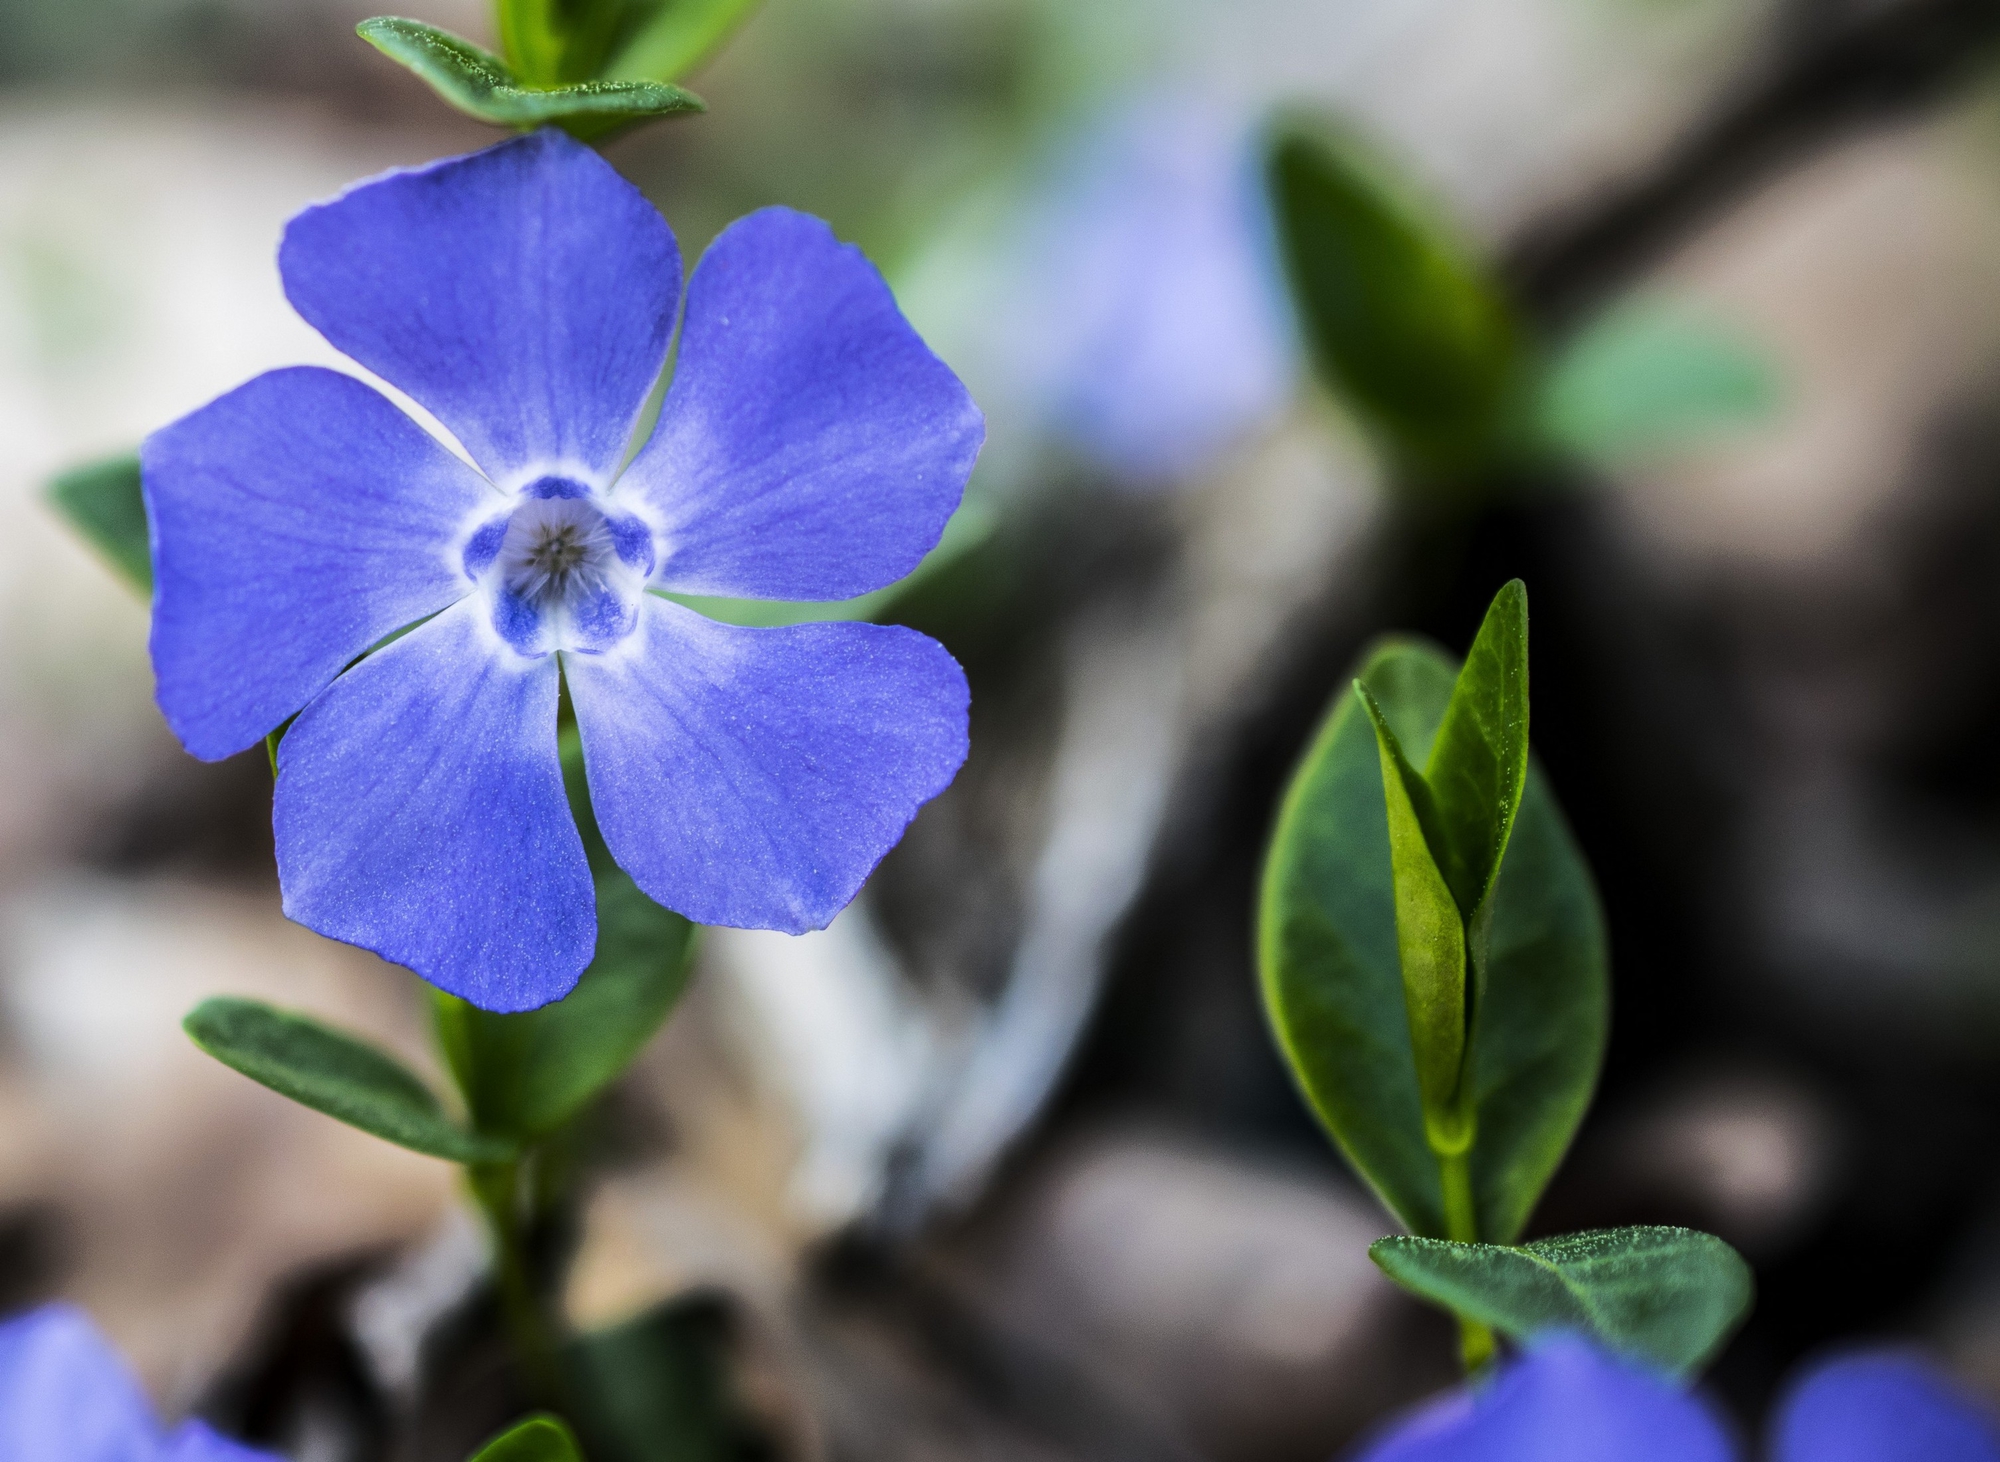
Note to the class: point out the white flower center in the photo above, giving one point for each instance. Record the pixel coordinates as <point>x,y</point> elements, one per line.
<point>557,550</point>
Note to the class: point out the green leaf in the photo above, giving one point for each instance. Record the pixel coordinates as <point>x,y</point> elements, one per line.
<point>538,1439</point>
<point>1651,376</point>
<point>681,35</point>
<point>1670,1296</point>
<point>1479,764</point>
<point>531,40</point>
<point>661,1388</point>
<point>479,83</point>
<point>1401,321</point>
<point>1332,982</point>
<point>1430,931</point>
<point>103,502</point>
<point>337,1074</point>
<point>527,1074</point>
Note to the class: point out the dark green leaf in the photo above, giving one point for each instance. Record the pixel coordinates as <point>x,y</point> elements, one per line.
<point>661,1388</point>
<point>680,36</point>
<point>103,502</point>
<point>1649,377</point>
<point>1670,1296</point>
<point>1333,986</point>
<point>478,82</point>
<point>1430,931</point>
<point>538,1439</point>
<point>337,1074</point>
<point>527,1074</point>
<point>1479,763</point>
<point>1400,320</point>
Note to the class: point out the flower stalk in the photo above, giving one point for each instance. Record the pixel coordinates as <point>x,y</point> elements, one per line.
<point>496,1188</point>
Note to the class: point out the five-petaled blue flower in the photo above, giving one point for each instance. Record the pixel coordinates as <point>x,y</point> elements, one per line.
<point>1569,1402</point>
<point>66,1396</point>
<point>809,448</point>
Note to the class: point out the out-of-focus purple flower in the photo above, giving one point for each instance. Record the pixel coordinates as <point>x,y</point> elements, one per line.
<point>66,1396</point>
<point>1145,325</point>
<point>1881,1406</point>
<point>810,447</point>
<point>1567,1401</point>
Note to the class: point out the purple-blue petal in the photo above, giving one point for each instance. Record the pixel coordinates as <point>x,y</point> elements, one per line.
<point>420,813</point>
<point>811,446</point>
<point>1881,1406</point>
<point>66,1395</point>
<point>1565,1401</point>
<point>295,521</point>
<point>1144,323</point>
<point>524,294</point>
<point>755,777</point>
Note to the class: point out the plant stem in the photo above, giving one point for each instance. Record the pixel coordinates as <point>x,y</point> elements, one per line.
<point>1461,1218</point>
<point>1461,1222</point>
<point>496,1187</point>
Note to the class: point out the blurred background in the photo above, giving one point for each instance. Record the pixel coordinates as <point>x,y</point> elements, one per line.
<point>1003,1164</point>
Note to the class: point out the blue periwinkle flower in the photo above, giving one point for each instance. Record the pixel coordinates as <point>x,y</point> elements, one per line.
<point>810,448</point>
<point>67,1396</point>
<point>1567,1401</point>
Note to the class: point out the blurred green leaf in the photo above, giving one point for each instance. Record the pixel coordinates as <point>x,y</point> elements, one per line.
<point>1650,376</point>
<point>531,40</point>
<point>1430,931</point>
<point>538,1439</point>
<point>1332,982</point>
<point>103,502</point>
<point>680,36</point>
<point>550,42</point>
<point>335,1073</point>
<point>479,83</point>
<point>660,1388</point>
<point>526,1074</point>
<point>1670,1296</point>
<point>1401,321</point>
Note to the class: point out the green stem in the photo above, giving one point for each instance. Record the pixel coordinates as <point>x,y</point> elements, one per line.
<point>1461,1217</point>
<point>497,1189</point>
<point>1461,1223</point>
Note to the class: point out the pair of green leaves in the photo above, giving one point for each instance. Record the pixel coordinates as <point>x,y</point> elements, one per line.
<point>1398,1051</point>
<point>590,67</point>
<point>1433,962</point>
<point>1668,1296</point>
<point>1410,328</point>
<point>1448,830</point>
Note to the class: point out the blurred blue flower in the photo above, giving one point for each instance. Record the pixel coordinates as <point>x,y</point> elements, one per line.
<point>810,448</point>
<point>1126,304</point>
<point>1567,1401</point>
<point>66,1396</point>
